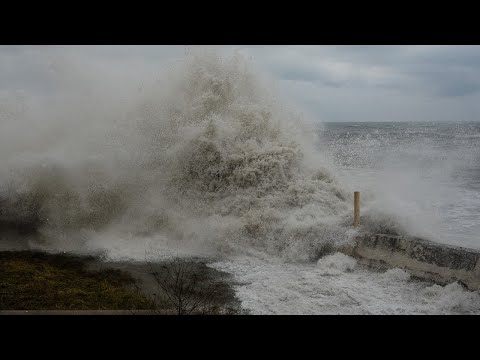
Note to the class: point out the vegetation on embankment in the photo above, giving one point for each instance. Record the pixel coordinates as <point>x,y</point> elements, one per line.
<point>31,280</point>
<point>39,281</point>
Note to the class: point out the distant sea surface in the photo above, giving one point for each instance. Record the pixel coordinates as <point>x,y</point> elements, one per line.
<point>431,169</point>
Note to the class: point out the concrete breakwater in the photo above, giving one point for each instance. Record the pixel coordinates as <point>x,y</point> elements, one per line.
<point>422,258</point>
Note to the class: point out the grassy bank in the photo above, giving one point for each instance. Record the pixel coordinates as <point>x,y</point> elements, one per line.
<point>39,281</point>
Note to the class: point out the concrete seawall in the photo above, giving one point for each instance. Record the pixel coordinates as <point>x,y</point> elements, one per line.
<point>425,259</point>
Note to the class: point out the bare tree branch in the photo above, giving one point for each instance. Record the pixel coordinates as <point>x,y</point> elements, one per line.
<point>182,287</point>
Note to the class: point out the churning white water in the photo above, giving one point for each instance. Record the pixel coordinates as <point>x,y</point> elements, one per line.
<point>203,160</point>
<point>337,285</point>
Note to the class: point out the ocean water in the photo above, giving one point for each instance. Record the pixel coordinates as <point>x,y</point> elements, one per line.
<point>337,285</point>
<point>426,173</point>
<point>426,176</point>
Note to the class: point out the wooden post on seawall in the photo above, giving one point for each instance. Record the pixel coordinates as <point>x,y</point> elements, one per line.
<point>356,208</point>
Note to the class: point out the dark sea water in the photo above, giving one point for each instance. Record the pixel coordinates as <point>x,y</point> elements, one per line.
<point>427,174</point>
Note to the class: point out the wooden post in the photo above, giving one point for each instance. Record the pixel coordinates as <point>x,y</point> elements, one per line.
<point>356,208</point>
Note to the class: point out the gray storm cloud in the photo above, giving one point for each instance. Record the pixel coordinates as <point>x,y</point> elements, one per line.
<point>332,83</point>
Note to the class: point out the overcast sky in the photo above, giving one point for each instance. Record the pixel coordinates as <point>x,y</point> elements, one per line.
<point>331,83</point>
